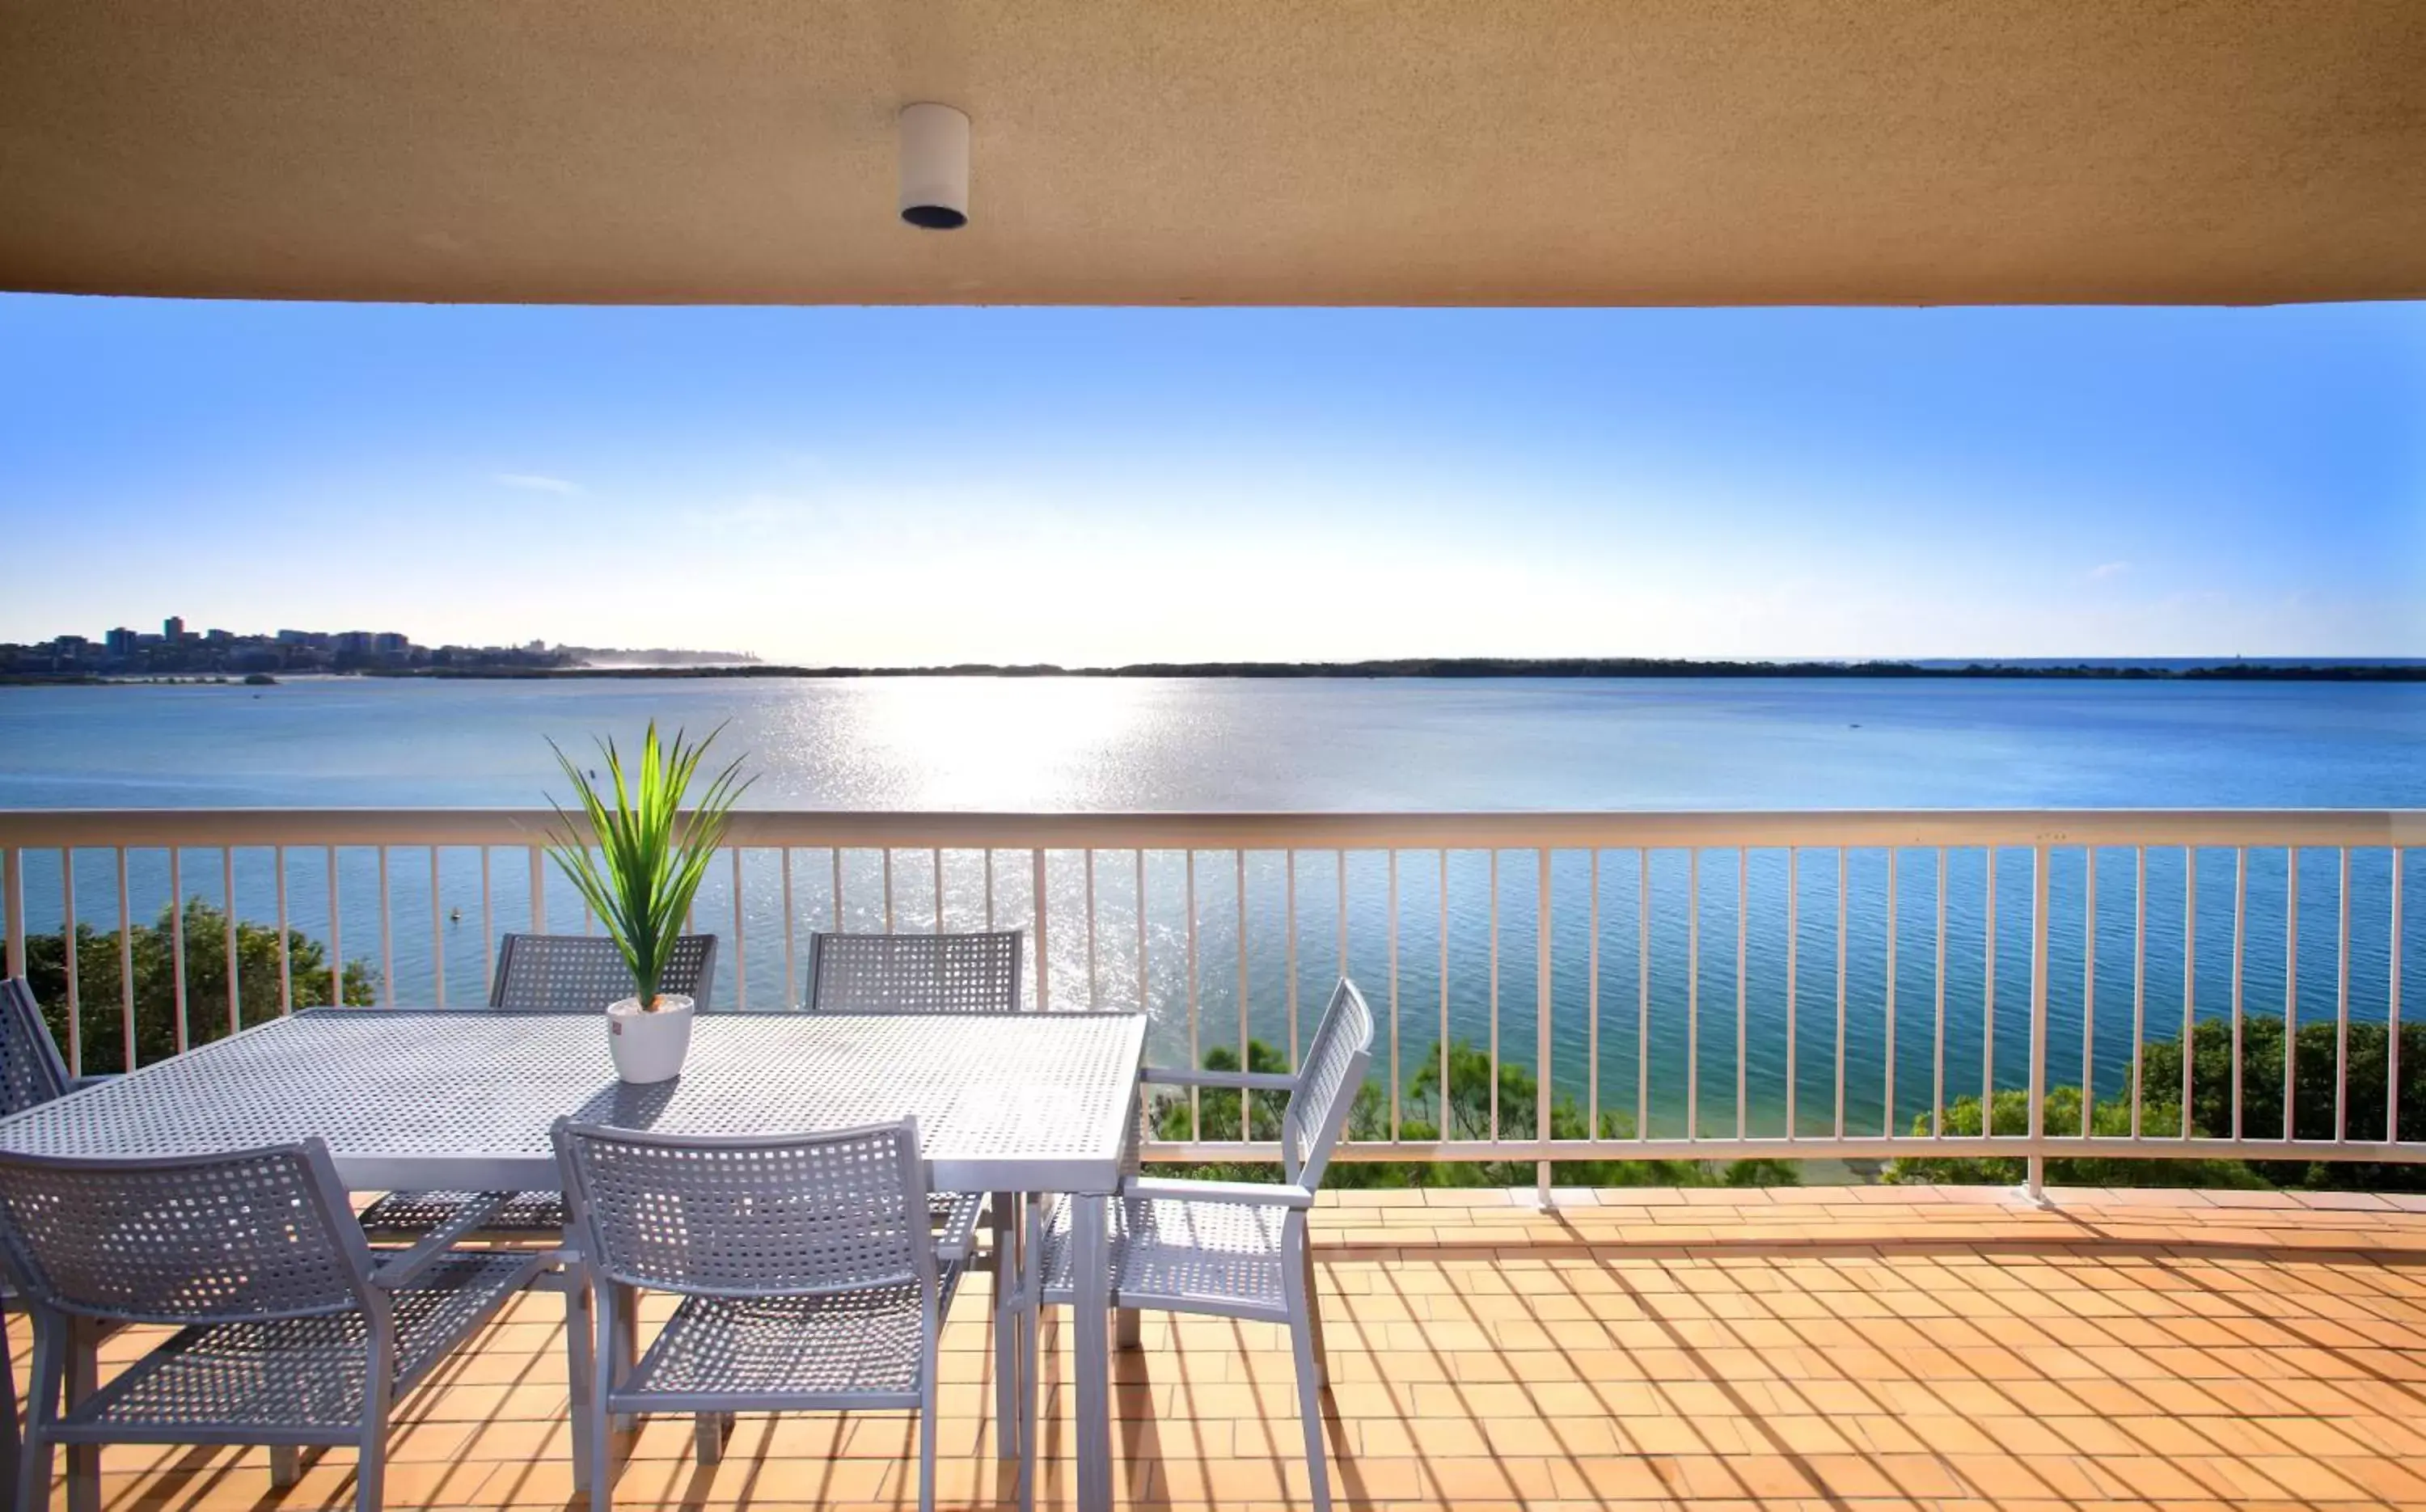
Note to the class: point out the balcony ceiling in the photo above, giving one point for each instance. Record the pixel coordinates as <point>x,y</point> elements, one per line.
<point>1234,151</point>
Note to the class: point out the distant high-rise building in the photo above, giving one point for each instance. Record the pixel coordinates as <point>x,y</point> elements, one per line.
<point>173,629</point>
<point>120,642</point>
<point>388,640</point>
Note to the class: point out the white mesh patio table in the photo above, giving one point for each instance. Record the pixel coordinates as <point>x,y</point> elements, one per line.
<point>416,1100</point>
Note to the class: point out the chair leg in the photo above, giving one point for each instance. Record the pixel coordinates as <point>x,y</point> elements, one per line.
<point>286,1466</point>
<point>1309,1403</point>
<point>926,1418</point>
<point>41,1408</point>
<point>370,1467</point>
<point>1001,1214</point>
<point>580,1344</point>
<point>627,1345</point>
<point>83,1379</point>
<point>601,1473</point>
<point>708,1432</point>
<point>11,1447</point>
<point>1314,1320</point>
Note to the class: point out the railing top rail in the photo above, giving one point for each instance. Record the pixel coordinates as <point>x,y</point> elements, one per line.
<point>43,828</point>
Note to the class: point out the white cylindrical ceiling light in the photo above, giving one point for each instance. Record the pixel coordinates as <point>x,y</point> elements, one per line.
<point>934,167</point>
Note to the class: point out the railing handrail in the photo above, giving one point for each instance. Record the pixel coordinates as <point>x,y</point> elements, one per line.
<point>1259,830</point>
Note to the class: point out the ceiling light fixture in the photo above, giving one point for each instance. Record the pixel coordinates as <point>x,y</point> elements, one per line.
<point>934,167</point>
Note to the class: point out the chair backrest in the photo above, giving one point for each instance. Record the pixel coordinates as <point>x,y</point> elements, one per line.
<point>32,1070</point>
<point>915,973</point>
<point>250,1234</point>
<point>785,1216</point>
<point>582,974</point>
<point>1328,1080</point>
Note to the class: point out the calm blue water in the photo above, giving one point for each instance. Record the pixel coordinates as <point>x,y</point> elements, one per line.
<point>1118,745</point>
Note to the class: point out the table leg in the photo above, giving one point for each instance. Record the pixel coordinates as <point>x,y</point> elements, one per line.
<point>1009,1420</point>
<point>1090,1318</point>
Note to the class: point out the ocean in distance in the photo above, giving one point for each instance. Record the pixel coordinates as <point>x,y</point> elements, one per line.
<point>1056,744</point>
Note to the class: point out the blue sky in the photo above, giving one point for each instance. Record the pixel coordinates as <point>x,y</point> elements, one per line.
<point>1097,486</point>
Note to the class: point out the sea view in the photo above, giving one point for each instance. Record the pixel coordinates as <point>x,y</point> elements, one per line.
<point>1063,745</point>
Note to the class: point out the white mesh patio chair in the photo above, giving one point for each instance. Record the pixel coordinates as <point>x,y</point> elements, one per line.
<point>805,1265</point>
<point>31,1073</point>
<point>291,1331</point>
<point>975,972</point>
<point>1230,1249</point>
<point>544,974</point>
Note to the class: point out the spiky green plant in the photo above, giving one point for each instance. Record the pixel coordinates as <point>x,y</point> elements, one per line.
<point>650,856</point>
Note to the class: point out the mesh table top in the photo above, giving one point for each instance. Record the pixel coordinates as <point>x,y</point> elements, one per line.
<point>462,1100</point>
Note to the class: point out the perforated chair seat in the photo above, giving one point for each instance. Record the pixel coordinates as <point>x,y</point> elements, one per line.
<point>409,1214</point>
<point>1180,1255</point>
<point>294,1374</point>
<point>853,1345</point>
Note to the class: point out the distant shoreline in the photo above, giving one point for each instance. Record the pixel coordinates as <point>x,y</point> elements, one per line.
<point>2174,669</point>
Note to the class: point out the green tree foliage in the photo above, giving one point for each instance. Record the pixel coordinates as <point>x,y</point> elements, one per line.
<point>1422,1116</point>
<point>100,985</point>
<point>2314,1064</point>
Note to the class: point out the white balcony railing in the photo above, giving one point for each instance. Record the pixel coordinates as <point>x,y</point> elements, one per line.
<point>1587,986</point>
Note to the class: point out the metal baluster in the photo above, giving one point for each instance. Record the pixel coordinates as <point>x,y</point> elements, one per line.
<point>791,961</point>
<point>1246,1121</point>
<point>336,936</point>
<point>1642,1007</point>
<point>1195,1056</point>
<point>1288,951</point>
<point>1442,1045</point>
<point>1342,916</point>
<point>2039,922</point>
<point>227,892</point>
<point>740,941</point>
<point>2290,989</point>
<point>437,932</point>
<point>886,852</point>
<point>833,890</point>
<point>488,922</point>
<point>1793,983</point>
<point>176,937</point>
<point>1591,1010</point>
<point>1393,859</point>
<point>1938,1083</point>
<point>2392,1006</point>
<point>2189,976</point>
<point>1744,986</point>
<point>1895,868</point>
<point>2089,990</point>
<point>68,959</point>
<point>1495,996</point>
<point>1542,1081</point>
<point>1094,993</point>
<point>1693,993</point>
<point>2139,980</point>
<point>538,864</point>
<point>12,878</point>
<point>1037,911</point>
<point>1140,931</point>
<point>1844,858</point>
<point>2342,1006</point>
<point>127,955</point>
<point>387,934</point>
<point>2240,924</point>
<point>935,859</point>
<point>1988,1012</point>
<point>989,887</point>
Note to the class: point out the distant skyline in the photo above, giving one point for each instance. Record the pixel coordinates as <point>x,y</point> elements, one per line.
<point>1092,487</point>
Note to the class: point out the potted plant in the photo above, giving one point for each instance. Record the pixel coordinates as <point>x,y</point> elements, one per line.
<point>648,860</point>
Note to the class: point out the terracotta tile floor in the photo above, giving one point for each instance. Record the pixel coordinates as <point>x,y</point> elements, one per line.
<point>1822,1348</point>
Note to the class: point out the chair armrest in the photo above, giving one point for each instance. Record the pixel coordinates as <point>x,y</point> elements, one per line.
<point>96,1079</point>
<point>405,1264</point>
<point>1257,1081</point>
<point>956,1238</point>
<point>1243,1194</point>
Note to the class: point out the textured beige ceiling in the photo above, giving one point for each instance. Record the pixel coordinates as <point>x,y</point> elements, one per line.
<point>1248,151</point>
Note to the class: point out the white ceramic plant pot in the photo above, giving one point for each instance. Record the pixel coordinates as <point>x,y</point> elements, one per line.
<point>649,1047</point>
